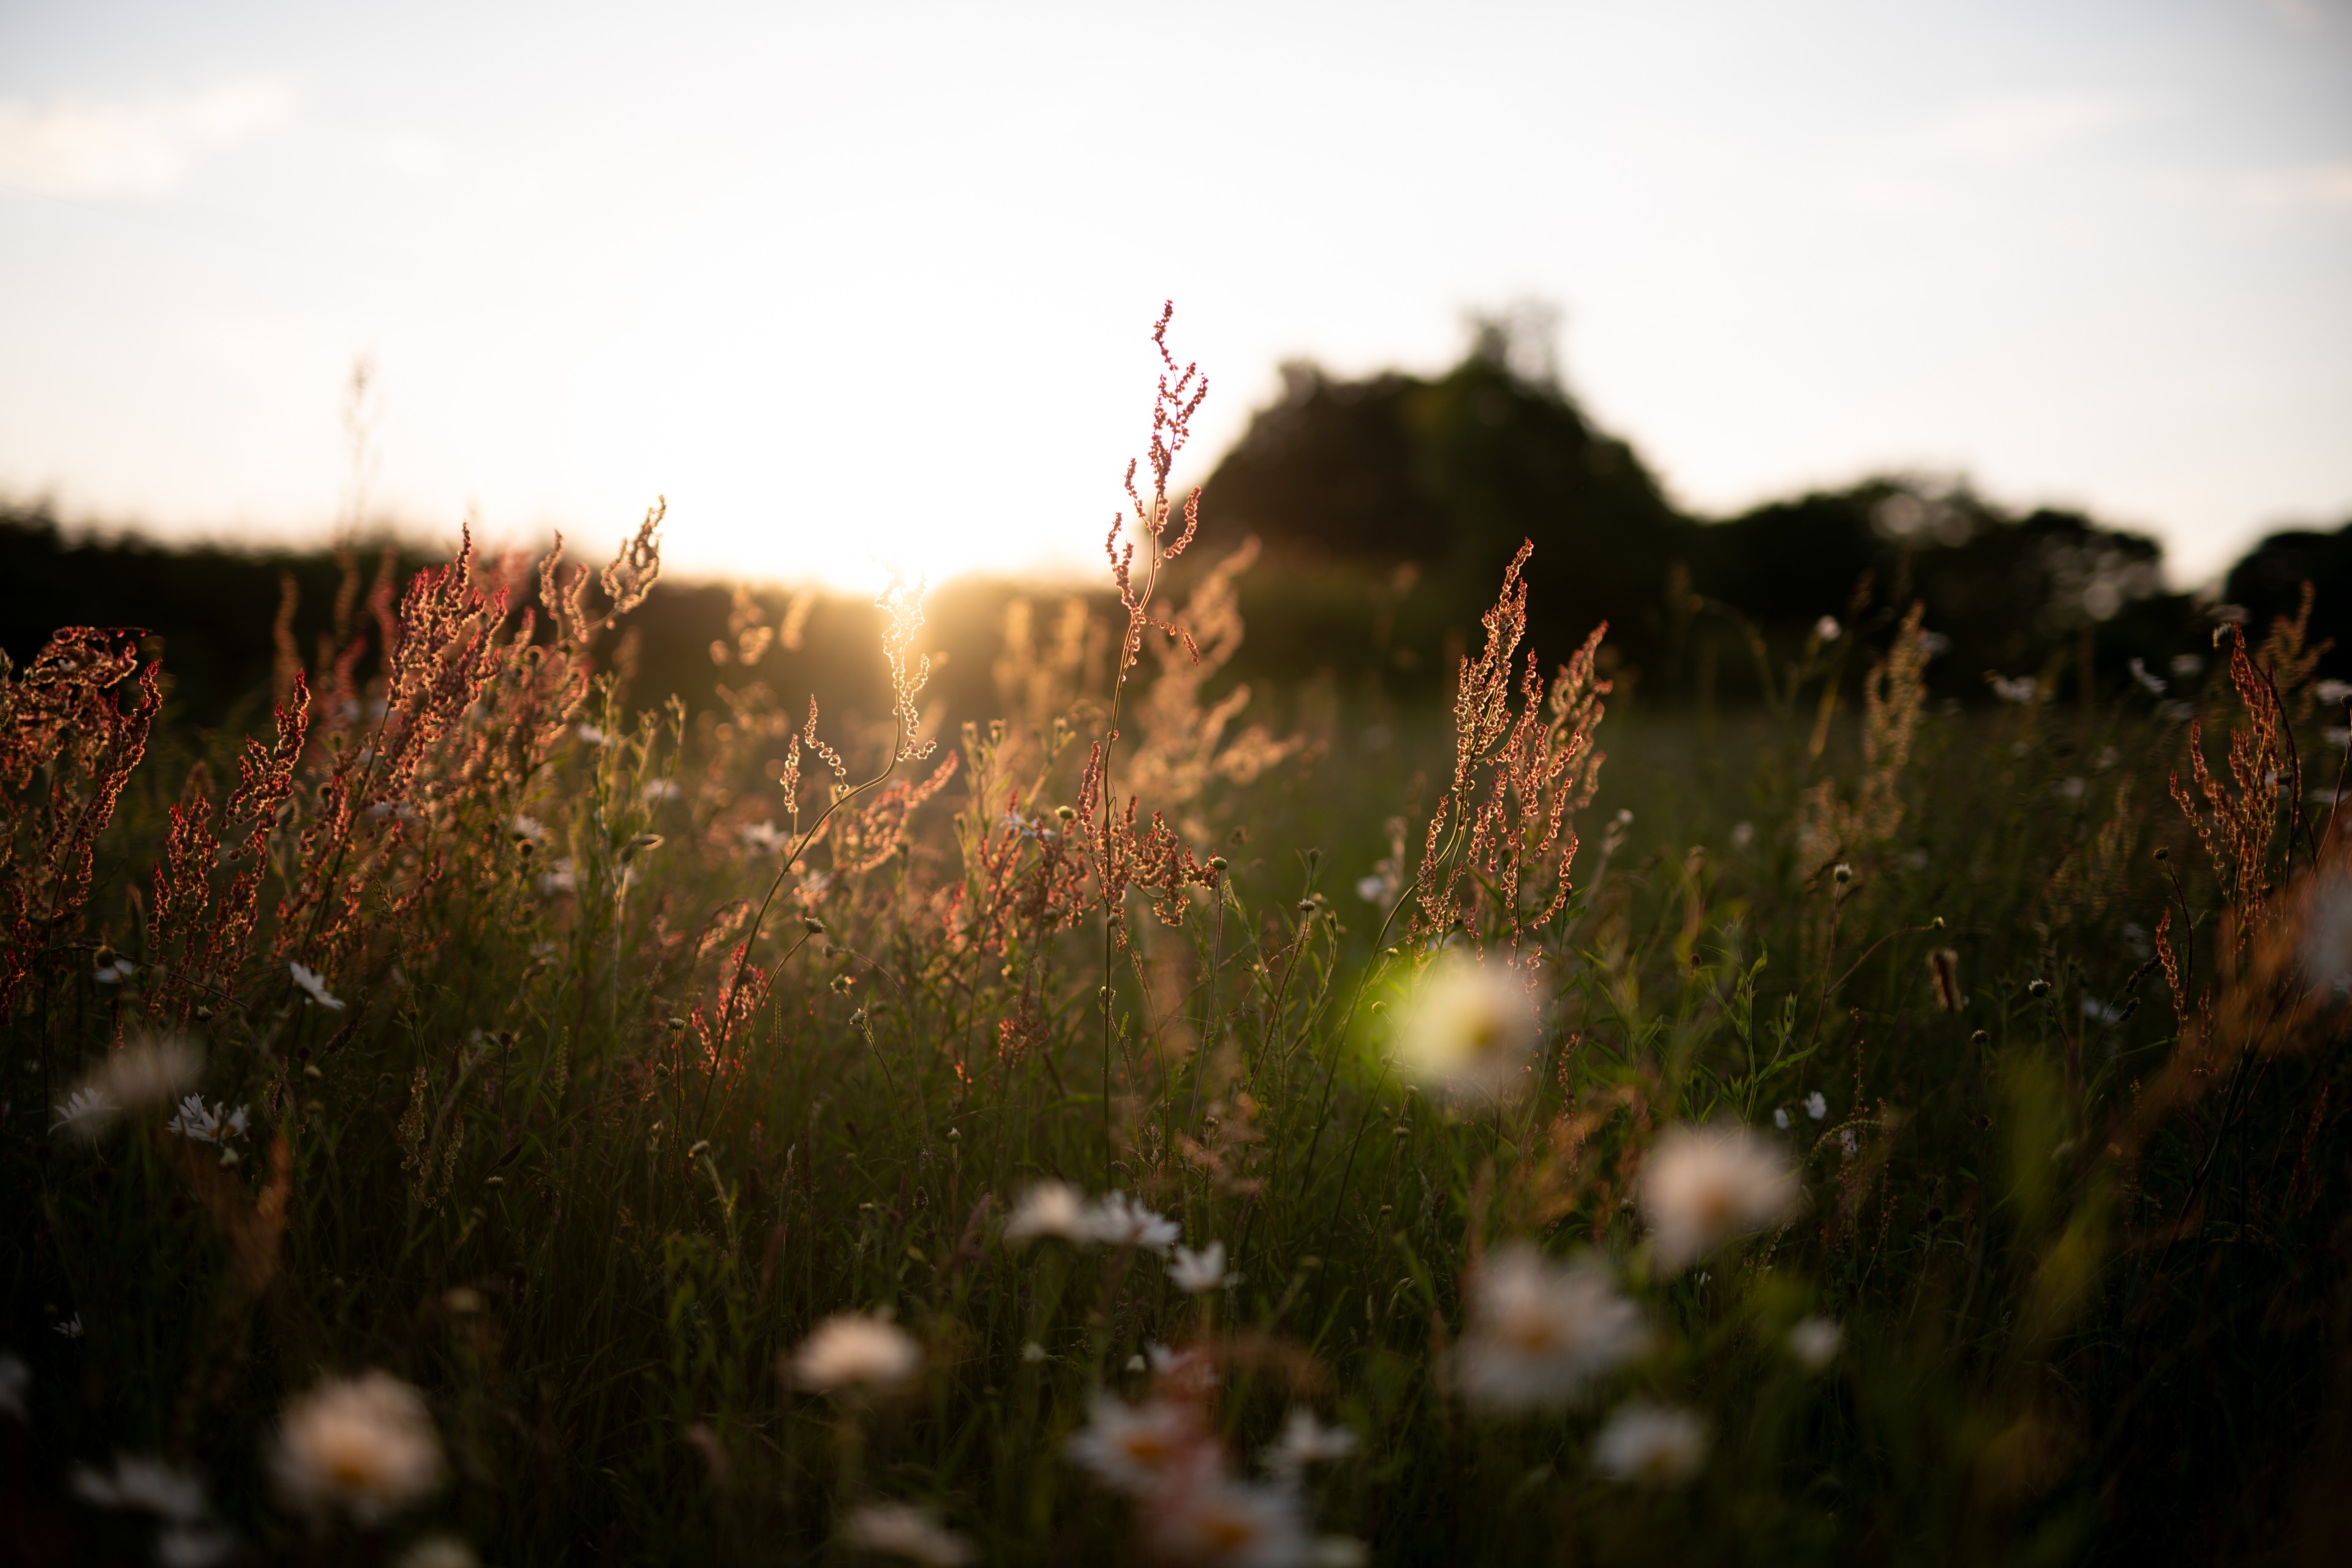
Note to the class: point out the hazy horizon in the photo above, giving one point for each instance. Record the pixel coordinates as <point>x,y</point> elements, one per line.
<point>854,289</point>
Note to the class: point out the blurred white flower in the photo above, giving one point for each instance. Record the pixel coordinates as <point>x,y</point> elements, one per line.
<point>16,1380</point>
<point>662,789</point>
<point>364,1447</point>
<point>2153,685</point>
<point>561,877</point>
<point>2022,689</point>
<point>1051,1208</point>
<point>1306,1441</point>
<point>115,971</point>
<point>1133,1447</point>
<point>216,1124</point>
<point>1815,1342</point>
<point>1655,1444</point>
<point>1816,1105</point>
<point>1189,1373</point>
<point>2185,665</point>
<point>526,826</point>
<point>903,1530</point>
<point>1849,1144</point>
<point>1701,1186</point>
<point>312,981</point>
<point>142,1485</point>
<point>1540,1333</point>
<point>1114,1220</point>
<point>85,1113</point>
<point>71,1329</point>
<point>1743,833</point>
<point>1198,1271</point>
<point>1781,1117</point>
<point>2331,692</point>
<point>851,1351</point>
<point>1202,1515</point>
<point>136,1081</point>
<point>1827,629</point>
<point>1033,1352</point>
<point>764,837</point>
<point>1374,889</point>
<point>1468,1025</point>
<point>590,735</point>
<point>438,1551</point>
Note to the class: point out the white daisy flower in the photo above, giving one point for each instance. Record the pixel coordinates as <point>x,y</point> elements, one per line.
<point>1815,1342</point>
<point>852,1351</point>
<point>71,1329</point>
<point>1540,1333</point>
<point>312,981</point>
<point>1469,1026</point>
<point>1202,1515</point>
<point>1306,1441</point>
<point>85,1113</point>
<point>115,971</point>
<point>1702,1186</point>
<point>1816,1105</point>
<point>215,1124</point>
<point>903,1530</point>
<point>1051,1208</point>
<point>138,1080</point>
<point>1654,1445</point>
<point>1197,1271</point>
<point>1116,1220</point>
<point>364,1447</point>
<point>1134,1446</point>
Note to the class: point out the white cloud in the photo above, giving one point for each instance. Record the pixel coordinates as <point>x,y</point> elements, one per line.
<point>2313,185</point>
<point>2010,129</point>
<point>76,148</point>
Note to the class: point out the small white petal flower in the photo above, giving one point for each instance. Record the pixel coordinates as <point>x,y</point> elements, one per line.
<point>1702,1186</point>
<point>590,735</point>
<point>1540,1333</point>
<point>1115,1220</point>
<point>526,826</point>
<point>312,981</point>
<point>662,789</point>
<point>1816,1105</point>
<point>1202,1515</point>
<point>1827,629</point>
<point>364,1447</point>
<point>562,877</point>
<point>903,1530</point>
<point>1198,1271</point>
<point>1051,1208</point>
<point>1815,1342</point>
<point>1655,1444</point>
<point>1780,1118</point>
<point>71,1329</point>
<point>142,1485</point>
<point>1469,1026</point>
<point>1305,1441</point>
<point>1033,1352</point>
<point>213,1124</point>
<point>1134,1446</point>
<point>138,1079</point>
<point>85,1113</point>
<point>115,971</point>
<point>853,1351</point>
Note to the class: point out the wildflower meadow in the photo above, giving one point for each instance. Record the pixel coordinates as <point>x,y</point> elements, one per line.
<point>1158,1118</point>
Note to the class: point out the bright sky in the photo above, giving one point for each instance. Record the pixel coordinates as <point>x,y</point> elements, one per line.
<point>861,284</point>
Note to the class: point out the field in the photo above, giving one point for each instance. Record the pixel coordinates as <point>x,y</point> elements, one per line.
<point>1157,1120</point>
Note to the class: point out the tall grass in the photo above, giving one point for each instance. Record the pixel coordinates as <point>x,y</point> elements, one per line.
<point>591,1061</point>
